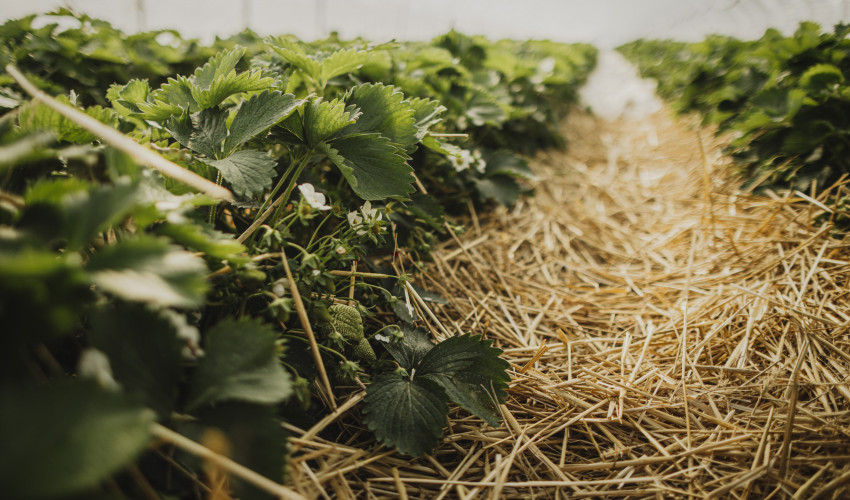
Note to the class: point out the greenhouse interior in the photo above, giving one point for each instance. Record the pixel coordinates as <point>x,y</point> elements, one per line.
<point>256,249</point>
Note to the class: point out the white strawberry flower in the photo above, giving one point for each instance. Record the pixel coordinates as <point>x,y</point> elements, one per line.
<point>366,219</point>
<point>313,198</point>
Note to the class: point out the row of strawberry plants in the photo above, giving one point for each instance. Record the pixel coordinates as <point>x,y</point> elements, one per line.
<point>784,98</point>
<point>133,304</point>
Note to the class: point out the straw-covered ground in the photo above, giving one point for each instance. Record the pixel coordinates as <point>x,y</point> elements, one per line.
<point>668,337</point>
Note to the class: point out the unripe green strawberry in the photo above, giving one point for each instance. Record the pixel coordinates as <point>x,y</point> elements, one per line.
<point>363,351</point>
<point>347,321</point>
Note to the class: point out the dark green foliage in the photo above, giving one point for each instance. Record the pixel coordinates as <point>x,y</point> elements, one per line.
<point>143,291</point>
<point>784,98</point>
<point>407,408</point>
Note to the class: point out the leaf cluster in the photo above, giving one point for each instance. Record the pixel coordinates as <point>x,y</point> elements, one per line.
<point>784,97</point>
<point>129,299</point>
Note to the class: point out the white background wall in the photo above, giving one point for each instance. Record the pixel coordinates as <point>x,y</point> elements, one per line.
<point>606,23</point>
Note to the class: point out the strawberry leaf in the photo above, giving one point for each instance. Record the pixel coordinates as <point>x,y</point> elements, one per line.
<point>150,270</point>
<point>385,111</point>
<point>324,119</point>
<point>471,372</point>
<point>248,172</point>
<point>240,364</point>
<point>408,413</point>
<point>66,437</point>
<point>257,114</point>
<point>372,166</point>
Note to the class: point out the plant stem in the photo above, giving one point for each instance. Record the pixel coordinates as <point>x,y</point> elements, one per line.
<point>279,202</point>
<point>291,186</point>
<point>121,142</point>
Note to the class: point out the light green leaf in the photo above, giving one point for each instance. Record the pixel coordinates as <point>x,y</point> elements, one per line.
<point>249,173</point>
<point>173,98</point>
<point>240,364</point>
<point>821,77</point>
<point>426,114</point>
<point>150,270</point>
<point>404,413</point>
<point>341,62</point>
<point>385,111</point>
<point>125,98</point>
<point>218,65</point>
<point>471,372</point>
<point>212,243</point>
<point>257,114</point>
<point>67,437</point>
<point>226,85</point>
<point>292,55</point>
<point>372,165</point>
<point>34,117</point>
<point>323,120</point>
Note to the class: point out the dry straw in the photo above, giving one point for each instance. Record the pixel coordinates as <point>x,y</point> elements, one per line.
<point>668,337</point>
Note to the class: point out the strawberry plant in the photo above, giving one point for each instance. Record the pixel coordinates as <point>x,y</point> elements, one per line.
<point>252,277</point>
<point>784,98</point>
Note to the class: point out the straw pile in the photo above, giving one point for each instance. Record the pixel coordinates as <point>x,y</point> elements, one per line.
<point>668,338</point>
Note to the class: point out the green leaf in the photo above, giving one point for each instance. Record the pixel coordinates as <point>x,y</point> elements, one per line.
<point>294,56</point>
<point>504,163</point>
<point>218,65</point>
<point>180,128</point>
<point>257,114</point>
<point>821,77</point>
<point>409,352</point>
<point>323,120</point>
<point>404,413</point>
<point>64,438</point>
<point>209,130</point>
<point>426,114</point>
<point>240,364</point>
<point>173,98</point>
<point>248,172</point>
<point>500,188</point>
<point>35,117</point>
<point>40,294</point>
<point>143,351</point>
<point>232,83</point>
<point>150,270</point>
<point>428,209</point>
<point>341,62</point>
<point>471,372</point>
<point>482,109</point>
<point>84,212</point>
<point>384,111</point>
<point>372,165</point>
<point>214,244</point>
<point>125,99</point>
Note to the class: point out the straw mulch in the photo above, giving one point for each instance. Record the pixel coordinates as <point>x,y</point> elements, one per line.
<point>668,337</point>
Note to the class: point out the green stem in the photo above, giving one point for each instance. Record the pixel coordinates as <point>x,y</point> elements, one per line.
<point>277,187</point>
<point>291,186</point>
<point>213,208</point>
<point>278,203</point>
<point>316,232</point>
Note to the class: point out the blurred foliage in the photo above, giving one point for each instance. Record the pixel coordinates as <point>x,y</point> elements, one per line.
<point>784,98</point>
